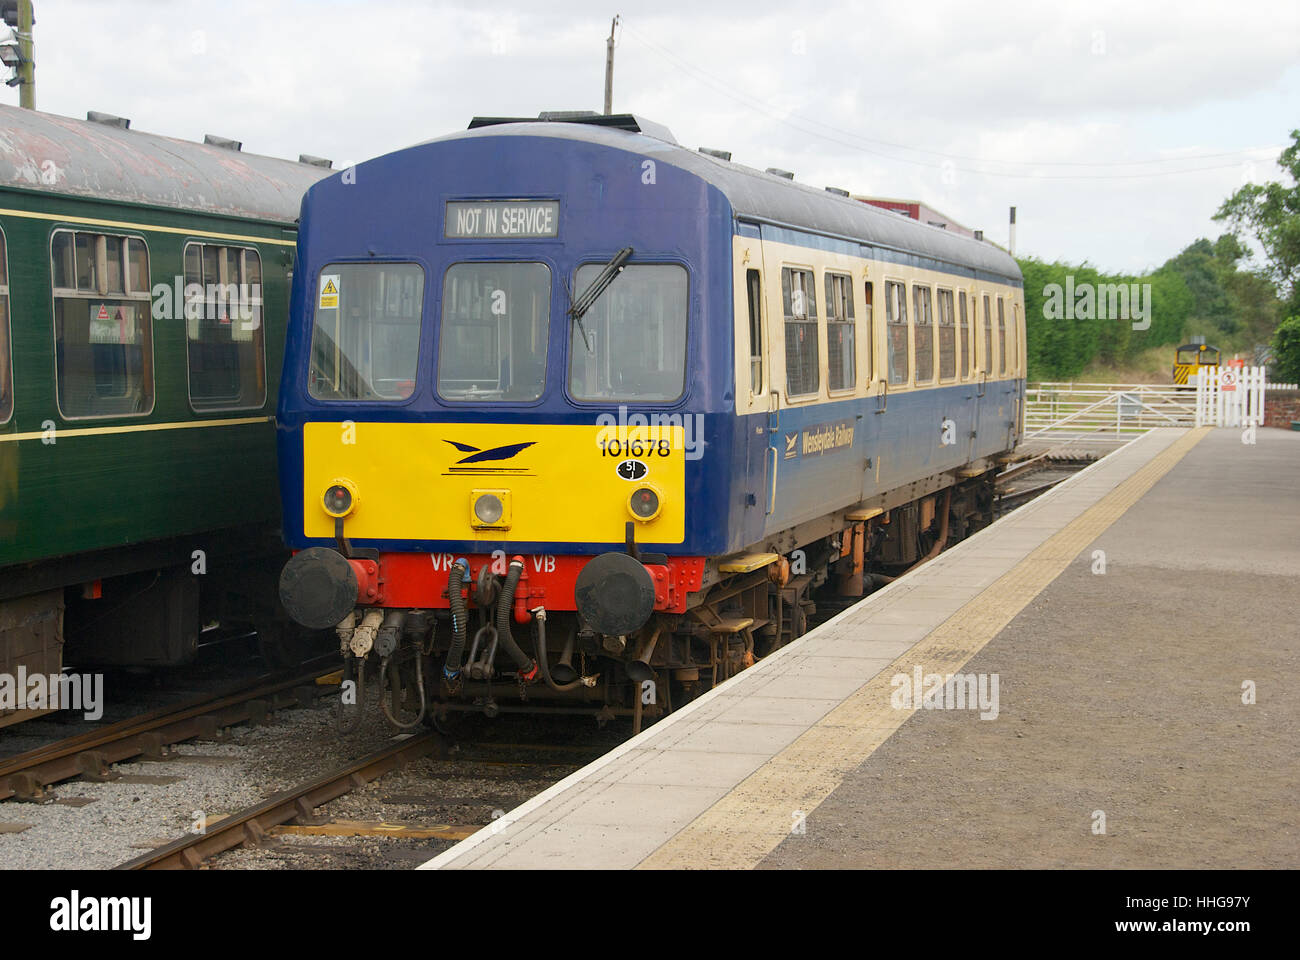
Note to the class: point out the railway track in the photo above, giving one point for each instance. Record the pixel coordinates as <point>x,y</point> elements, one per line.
<point>300,810</point>
<point>91,755</point>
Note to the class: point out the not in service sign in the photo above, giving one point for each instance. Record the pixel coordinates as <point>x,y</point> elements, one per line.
<point>501,219</point>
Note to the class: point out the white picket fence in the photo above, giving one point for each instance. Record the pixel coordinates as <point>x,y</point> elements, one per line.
<point>1230,397</point>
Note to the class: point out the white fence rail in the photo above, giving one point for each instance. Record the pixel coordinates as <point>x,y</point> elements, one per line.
<point>1063,412</point>
<point>1106,412</point>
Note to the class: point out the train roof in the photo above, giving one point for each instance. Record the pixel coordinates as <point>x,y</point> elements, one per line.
<point>759,195</point>
<point>58,155</point>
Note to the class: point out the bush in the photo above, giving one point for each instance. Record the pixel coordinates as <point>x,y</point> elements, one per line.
<point>1286,351</point>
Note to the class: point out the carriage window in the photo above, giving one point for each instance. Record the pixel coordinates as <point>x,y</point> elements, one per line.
<point>225,342</point>
<point>366,336</point>
<point>870,333</point>
<point>947,337</point>
<point>495,325</point>
<point>1013,362</point>
<point>802,359</point>
<point>1002,338</point>
<point>896,325</point>
<point>631,344</point>
<point>754,290</point>
<point>1187,356</point>
<point>987,365</point>
<point>6,362</point>
<point>1209,357</point>
<point>102,332</point>
<point>967,344</point>
<point>841,359</point>
<point>923,324</point>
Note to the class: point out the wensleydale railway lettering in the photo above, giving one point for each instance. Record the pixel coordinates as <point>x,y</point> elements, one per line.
<point>826,438</point>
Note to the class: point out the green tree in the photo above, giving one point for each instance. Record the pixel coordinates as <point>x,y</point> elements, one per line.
<point>1269,214</point>
<point>1286,351</point>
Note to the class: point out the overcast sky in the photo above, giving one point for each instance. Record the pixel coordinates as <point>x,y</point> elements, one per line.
<point>1116,128</point>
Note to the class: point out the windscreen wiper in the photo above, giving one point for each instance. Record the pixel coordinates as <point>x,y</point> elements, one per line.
<point>589,296</point>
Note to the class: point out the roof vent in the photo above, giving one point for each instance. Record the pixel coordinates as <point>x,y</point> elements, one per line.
<point>562,115</point>
<point>107,119</point>
<point>720,154</point>
<point>222,142</point>
<point>783,174</point>
<point>1197,340</point>
<point>838,191</point>
<point>315,161</point>
<point>979,234</point>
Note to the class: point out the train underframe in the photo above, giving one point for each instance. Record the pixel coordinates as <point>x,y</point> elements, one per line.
<point>495,650</point>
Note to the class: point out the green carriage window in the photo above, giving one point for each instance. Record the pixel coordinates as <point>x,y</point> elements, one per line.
<point>896,328</point>
<point>802,358</point>
<point>6,361</point>
<point>923,324</point>
<point>102,328</point>
<point>947,337</point>
<point>495,325</point>
<point>840,348</point>
<point>631,344</point>
<point>365,341</point>
<point>224,339</point>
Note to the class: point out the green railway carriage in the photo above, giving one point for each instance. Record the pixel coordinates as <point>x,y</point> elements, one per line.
<point>144,284</point>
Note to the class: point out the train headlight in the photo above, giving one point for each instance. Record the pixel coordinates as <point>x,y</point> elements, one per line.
<point>339,499</point>
<point>644,503</point>
<point>489,509</point>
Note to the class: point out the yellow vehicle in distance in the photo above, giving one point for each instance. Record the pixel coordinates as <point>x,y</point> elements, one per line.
<point>1190,359</point>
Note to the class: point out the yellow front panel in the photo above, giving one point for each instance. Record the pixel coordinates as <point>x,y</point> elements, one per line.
<point>412,481</point>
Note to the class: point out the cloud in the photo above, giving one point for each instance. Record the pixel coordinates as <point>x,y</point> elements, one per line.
<point>970,107</point>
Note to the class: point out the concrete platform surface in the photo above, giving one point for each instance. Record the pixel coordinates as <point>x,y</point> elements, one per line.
<point>1102,667</point>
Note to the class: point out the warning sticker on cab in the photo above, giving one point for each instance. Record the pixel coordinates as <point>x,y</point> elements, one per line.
<point>329,291</point>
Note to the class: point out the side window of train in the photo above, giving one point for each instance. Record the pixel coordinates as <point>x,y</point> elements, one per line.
<point>1013,338</point>
<point>802,360</point>
<point>967,344</point>
<point>896,330</point>
<point>987,365</point>
<point>947,337</point>
<point>1002,338</point>
<point>754,292</point>
<point>224,340</point>
<point>103,337</point>
<point>365,338</point>
<point>869,333</point>
<point>923,324</point>
<point>841,350</point>
<point>6,359</point>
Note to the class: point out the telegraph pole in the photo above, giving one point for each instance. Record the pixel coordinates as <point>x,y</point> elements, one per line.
<point>609,68</point>
<point>18,14</point>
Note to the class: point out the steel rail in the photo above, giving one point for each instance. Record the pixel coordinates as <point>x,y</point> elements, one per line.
<point>254,823</point>
<point>91,754</point>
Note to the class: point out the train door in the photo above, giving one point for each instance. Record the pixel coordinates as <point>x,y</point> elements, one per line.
<point>756,397</point>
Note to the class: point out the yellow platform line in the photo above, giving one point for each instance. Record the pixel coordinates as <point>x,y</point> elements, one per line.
<point>748,823</point>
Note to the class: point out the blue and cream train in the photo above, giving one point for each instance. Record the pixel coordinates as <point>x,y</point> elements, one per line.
<point>566,378</point>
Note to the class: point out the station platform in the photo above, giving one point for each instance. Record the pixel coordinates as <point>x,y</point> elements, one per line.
<point>1140,621</point>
